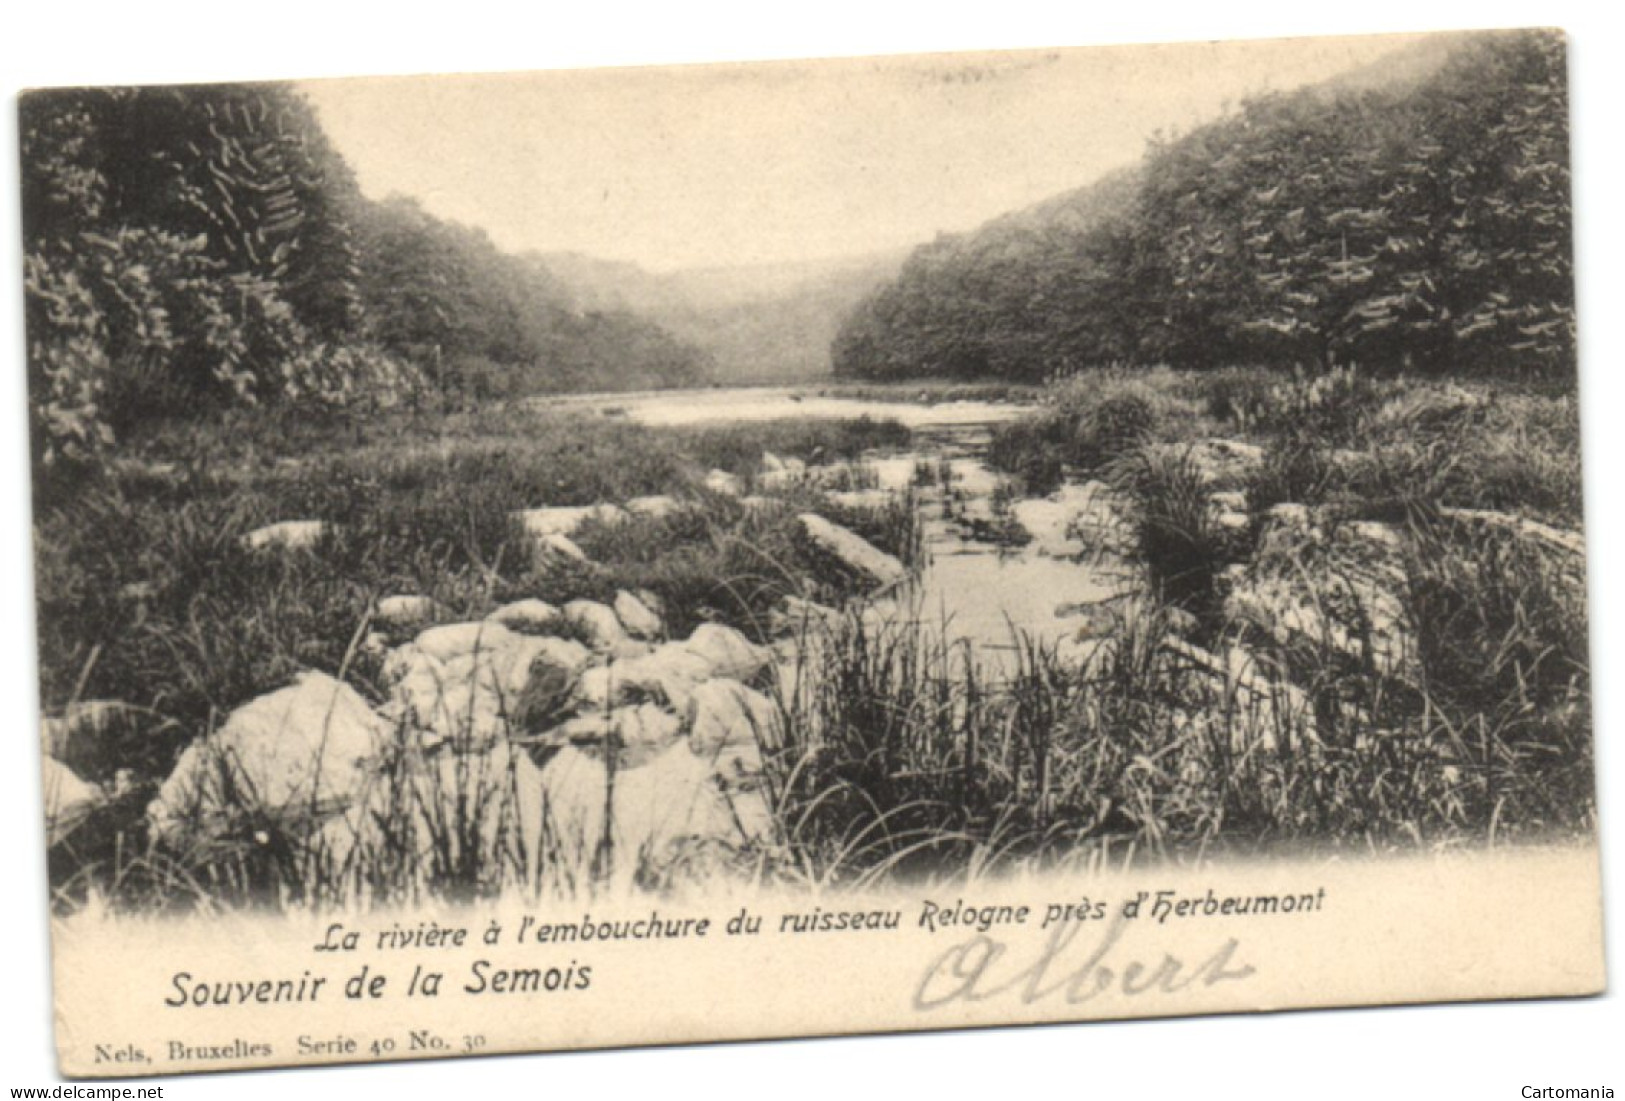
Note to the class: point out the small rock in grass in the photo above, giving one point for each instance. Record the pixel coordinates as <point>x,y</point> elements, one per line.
<point>564,520</point>
<point>861,498</point>
<point>796,615</point>
<point>656,506</point>
<point>93,737</point>
<point>400,611</point>
<point>561,546</point>
<point>286,535</point>
<point>720,481</point>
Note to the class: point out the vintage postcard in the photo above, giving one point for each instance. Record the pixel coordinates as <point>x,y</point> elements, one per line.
<point>587,558</point>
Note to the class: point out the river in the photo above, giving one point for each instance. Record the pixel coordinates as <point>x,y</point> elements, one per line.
<point>982,589</point>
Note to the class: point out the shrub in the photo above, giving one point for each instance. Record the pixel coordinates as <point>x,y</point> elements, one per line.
<point>1296,468</point>
<point>1174,528</point>
<point>1112,427</point>
<point>1334,407</point>
<point>1094,419</point>
<point>1032,450</point>
<point>1235,395</point>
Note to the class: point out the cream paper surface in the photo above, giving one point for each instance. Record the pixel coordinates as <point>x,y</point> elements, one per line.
<point>1505,925</point>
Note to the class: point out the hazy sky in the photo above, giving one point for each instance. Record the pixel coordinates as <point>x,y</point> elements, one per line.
<point>707,165</point>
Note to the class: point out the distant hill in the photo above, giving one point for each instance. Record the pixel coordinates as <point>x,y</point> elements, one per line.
<point>1412,213</point>
<point>756,322</point>
<point>485,323</point>
<point>1000,300</point>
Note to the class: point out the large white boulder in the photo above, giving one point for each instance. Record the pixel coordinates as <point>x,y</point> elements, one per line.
<point>1353,604</point>
<point>481,809</point>
<point>68,800</point>
<point>667,675</point>
<point>302,751</point>
<point>478,696</point>
<point>667,814</point>
<point>641,726</point>
<point>528,654</point>
<point>454,640</point>
<point>723,713</point>
<point>727,652</point>
<point>417,681</point>
<point>1247,703</point>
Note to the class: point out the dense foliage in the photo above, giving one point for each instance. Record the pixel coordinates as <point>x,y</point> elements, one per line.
<point>193,247</point>
<point>483,323</point>
<point>1425,226</point>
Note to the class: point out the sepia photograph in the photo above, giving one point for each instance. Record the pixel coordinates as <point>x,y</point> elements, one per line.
<point>615,554</point>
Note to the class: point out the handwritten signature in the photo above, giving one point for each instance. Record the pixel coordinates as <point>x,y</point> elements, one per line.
<point>981,968</point>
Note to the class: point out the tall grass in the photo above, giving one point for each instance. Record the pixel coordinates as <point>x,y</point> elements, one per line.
<point>1090,421</point>
<point>1175,533</point>
<point>908,758</point>
<point>1033,449</point>
<point>431,825</point>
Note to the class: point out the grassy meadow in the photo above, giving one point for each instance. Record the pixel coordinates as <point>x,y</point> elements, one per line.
<point>149,596</point>
<point>902,758</point>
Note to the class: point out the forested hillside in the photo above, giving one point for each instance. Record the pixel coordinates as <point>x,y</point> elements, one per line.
<point>187,248</point>
<point>757,323</point>
<point>1424,225</point>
